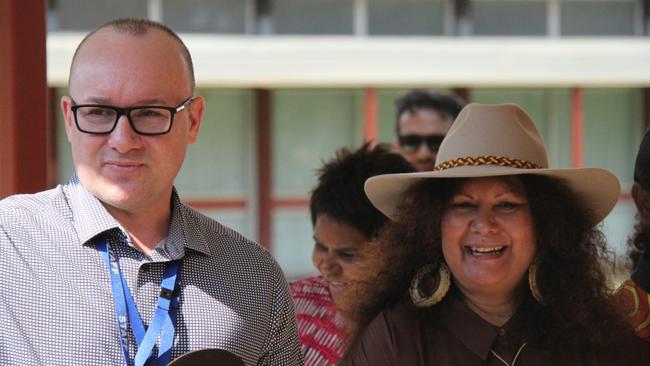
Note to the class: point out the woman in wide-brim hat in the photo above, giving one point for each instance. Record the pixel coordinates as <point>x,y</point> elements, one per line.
<point>494,258</point>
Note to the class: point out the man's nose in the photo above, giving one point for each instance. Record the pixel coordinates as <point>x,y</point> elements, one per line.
<point>123,138</point>
<point>423,151</point>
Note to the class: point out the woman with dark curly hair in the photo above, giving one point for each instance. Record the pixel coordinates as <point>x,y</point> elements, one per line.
<point>344,222</point>
<point>493,258</point>
<point>634,293</point>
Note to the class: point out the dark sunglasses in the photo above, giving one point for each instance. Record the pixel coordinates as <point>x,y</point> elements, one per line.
<point>411,143</point>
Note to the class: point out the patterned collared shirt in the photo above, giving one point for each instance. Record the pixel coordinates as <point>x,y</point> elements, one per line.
<point>56,305</point>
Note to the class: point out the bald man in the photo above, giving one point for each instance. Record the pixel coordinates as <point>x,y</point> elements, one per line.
<point>111,268</point>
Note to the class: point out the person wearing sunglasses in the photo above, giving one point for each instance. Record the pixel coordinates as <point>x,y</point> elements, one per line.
<point>112,268</point>
<point>422,120</point>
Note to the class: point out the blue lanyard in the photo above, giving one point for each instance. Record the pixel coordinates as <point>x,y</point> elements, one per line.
<point>164,318</point>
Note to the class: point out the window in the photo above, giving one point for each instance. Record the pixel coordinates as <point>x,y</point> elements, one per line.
<point>84,15</point>
<point>312,16</point>
<point>406,17</point>
<point>208,16</point>
<point>509,17</point>
<point>597,18</point>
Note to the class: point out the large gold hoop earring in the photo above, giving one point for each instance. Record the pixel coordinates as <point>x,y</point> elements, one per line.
<point>532,282</point>
<point>441,284</point>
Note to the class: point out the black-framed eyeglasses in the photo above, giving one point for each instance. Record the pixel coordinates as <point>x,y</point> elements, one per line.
<point>150,120</point>
<point>411,143</point>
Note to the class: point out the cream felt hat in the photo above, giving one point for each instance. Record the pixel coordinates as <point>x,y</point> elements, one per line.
<point>496,140</point>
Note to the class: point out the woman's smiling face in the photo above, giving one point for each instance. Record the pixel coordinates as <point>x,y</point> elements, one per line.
<point>488,235</point>
<point>336,255</point>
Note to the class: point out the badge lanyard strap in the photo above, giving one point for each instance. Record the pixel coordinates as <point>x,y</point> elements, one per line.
<point>164,317</point>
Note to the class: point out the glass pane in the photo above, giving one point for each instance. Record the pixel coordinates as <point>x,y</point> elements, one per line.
<point>613,126</point>
<point>308,127</point>
<point>600,18</point>
<point>406,17</point>
<point>509,18</point>
<point>235,219</point>
<point>292,242</point>
<point>84,15</point>
<point>386,113</point>
<point>208,16</point>
<point>218,163</point>
<point>312,16</point>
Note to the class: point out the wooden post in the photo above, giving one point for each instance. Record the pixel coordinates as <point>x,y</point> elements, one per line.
<point>577,128</point>
<point>370,130</point>
<point>23,97</point>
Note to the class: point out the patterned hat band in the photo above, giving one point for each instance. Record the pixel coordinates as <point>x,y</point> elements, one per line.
<point>486,160</point>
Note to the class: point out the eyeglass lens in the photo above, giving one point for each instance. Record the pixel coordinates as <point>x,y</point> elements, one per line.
<point>149,120</point>
<point>411,143</point>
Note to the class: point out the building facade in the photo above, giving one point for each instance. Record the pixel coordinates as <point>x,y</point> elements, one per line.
<point>288,82</point>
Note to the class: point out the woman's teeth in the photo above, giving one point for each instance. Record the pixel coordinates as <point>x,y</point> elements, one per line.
<point>485,250</point>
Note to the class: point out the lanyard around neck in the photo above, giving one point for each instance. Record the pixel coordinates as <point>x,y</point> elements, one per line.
<point>164,318</point>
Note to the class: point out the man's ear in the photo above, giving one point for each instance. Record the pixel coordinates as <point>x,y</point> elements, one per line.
<point>68,118</point>
<point>196,112</point>
<point>641,200</point>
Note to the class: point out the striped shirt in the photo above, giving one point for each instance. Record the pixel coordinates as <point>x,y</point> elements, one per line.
<point>56,305</point>
<point>320,325</point>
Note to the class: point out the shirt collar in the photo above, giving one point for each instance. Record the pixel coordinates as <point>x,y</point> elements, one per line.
<point>90,218</point>
<point>477,334</point>
<point>185,225</point>
<point>469,328</point>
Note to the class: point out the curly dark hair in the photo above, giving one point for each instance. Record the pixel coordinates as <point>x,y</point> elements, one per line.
<point>339,193</point>
<point>447,105</point>
<point>577,312</point>
<point>640,238</point>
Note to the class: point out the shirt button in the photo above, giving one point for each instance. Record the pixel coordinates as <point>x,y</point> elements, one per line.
<point>145,268</point>
<point>502,332</point>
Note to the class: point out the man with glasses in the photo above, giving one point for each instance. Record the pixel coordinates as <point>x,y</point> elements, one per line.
<point>111,268</point>
<point>423,119</point>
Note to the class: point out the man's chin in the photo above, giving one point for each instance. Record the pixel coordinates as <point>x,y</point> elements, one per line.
<point>120,203</point>
<point>118,197</point>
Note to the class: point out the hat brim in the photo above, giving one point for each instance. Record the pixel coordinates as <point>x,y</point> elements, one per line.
<point>597,188</point>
